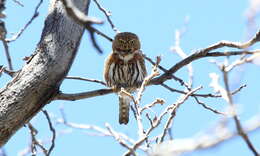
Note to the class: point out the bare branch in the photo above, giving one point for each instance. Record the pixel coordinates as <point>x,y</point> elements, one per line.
<point>35,142</point>
<point>238,45</point>
<point>239,127</point>
<point>242,61</point>
<point>101,34</point>
<point>9,60</point>
<point>176,48</point>
<point>83,95</point>
<point>101,131</point>
<point>157,101</point>
<point>107,14</point>
<point>78,15</point>
<point>8,72</point>
<point>52,130</point>
<point>209,108</point>
<point>203,141</point>
<point>172,109</point>
<point>118,139</point>
<point>206,53</point>
<point>2,38</point>
<point>83,20</point>
<point>19,3</point>
<point>202,95</point>
<point>36,14</point>
<point>155,123</point>
<point>165,70</point>
<point>198,55</point>
<point>139,96</point>
<point>85,79</point>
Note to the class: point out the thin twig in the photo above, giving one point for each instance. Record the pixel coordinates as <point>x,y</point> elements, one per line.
<point>118,139</point>
<point>35,142</point>
<point>52,130</point>
<point>165,70</point>
<point>101,34</point>
<point>107,14</point>
<point>36,14</point>
<point>3,33</point>
<point>101,131</point>
<point>239,127</point>
<point>157,101</point>
<point>242,61</point>
<point>176,48</point>
<point>209,108</point>
<point>139,96</point>
<point>202,95</point>
<point>19,3</point>
<point>172,109</point>
<point>85,79</point>
<point>8,72</point>
<point>9,60</point>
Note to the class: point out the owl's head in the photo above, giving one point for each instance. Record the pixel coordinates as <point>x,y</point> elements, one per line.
<point>126,42</point>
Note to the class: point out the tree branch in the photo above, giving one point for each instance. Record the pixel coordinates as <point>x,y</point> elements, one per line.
<point>158,80</point>
<point>83,20</point>
<point>107,14</point>
<point>39,80</point>
<point>205,53</point>
<point>83,95</point>
<point>239,127</point>
<point>85,79</point>
<point>203,141</point>
<point>197,55</point>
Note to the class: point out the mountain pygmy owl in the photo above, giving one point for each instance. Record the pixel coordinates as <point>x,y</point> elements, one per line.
<point>125,68</point>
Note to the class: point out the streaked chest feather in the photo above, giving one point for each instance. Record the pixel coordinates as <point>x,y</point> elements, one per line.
<point>129,72</point>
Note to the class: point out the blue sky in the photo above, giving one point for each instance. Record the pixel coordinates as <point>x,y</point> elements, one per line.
<point>155,23</point>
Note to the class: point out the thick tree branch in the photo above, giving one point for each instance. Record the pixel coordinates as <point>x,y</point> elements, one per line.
<point>39,80</point>
<point>197,55</point>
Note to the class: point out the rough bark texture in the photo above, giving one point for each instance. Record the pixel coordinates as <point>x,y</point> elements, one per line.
<point>39,80</point>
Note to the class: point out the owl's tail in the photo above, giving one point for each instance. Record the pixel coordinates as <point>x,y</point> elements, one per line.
<point>124,104</point>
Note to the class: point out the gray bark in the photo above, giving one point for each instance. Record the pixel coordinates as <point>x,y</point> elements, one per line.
<point>39,80</point>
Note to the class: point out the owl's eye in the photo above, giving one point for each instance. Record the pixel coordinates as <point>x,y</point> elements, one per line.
<point>132,42</point>
<point>121,41</point>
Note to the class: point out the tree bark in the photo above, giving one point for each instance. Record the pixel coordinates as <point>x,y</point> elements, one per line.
<point>39,80</point>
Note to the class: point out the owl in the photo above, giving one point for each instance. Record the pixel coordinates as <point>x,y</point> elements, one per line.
<point>125,67</point>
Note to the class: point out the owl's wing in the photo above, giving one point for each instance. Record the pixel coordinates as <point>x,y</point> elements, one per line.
<point>140,57</point>
<point>109,60</point>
